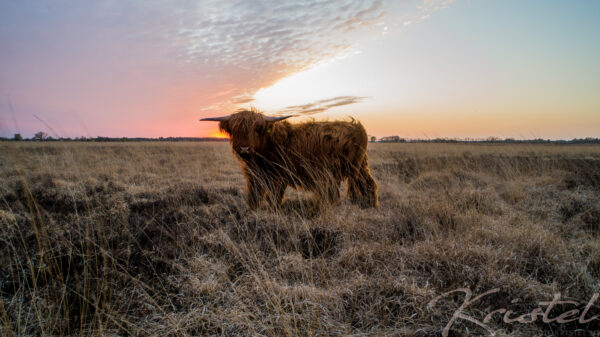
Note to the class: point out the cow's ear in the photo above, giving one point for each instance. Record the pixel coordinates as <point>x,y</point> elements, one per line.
<point>277,134</point>
<point>269,128</point>
<point>224,126</point>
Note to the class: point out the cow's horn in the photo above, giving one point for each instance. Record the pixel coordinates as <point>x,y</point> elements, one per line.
<point>276,119</point>
<point>216,119</point>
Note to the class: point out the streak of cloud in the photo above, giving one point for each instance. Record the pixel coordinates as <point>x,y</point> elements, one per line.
<point>321,105</point>
<point>241,100</point>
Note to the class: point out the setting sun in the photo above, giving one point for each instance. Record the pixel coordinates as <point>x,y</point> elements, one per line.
<point>219,134</point>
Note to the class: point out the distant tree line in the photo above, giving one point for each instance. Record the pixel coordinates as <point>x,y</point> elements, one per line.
<point>44,137</point>
<point>489,140</point>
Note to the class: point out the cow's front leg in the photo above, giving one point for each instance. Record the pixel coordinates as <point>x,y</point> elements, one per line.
<point>275,194</point>
<point>256,192</point>
<point>333,191</point>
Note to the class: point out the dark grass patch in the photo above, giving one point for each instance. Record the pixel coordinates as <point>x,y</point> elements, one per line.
<point>320,242</point>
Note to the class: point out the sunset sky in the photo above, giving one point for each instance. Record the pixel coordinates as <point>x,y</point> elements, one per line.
<point>417,69</point>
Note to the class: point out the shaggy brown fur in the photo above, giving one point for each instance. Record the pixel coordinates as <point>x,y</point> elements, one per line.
<point>316,156</point>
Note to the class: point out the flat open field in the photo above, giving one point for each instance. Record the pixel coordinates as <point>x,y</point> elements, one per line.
<point>153,239</point>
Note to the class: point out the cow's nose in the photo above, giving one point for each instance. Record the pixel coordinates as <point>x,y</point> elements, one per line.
<point>244,149</point>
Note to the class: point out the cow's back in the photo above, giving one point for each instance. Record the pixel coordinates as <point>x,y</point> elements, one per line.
<point>335,147</point>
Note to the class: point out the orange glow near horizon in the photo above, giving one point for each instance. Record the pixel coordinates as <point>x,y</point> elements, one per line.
<point>219,134</point>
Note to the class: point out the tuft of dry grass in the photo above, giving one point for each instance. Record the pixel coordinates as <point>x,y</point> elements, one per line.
<point>153,239</point>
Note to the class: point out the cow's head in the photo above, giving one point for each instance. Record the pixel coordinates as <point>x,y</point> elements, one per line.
<point>249,130</point>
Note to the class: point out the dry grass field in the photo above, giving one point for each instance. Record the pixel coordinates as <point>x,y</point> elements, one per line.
<point>153,239</point>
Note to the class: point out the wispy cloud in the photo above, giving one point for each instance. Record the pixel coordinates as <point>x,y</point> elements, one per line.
<point>321,105</point>
<point>266,36</point>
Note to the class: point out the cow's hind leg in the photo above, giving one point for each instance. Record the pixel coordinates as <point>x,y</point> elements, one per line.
<point>362,188</point>
<point>370,198</point>
<point>353,190</point>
